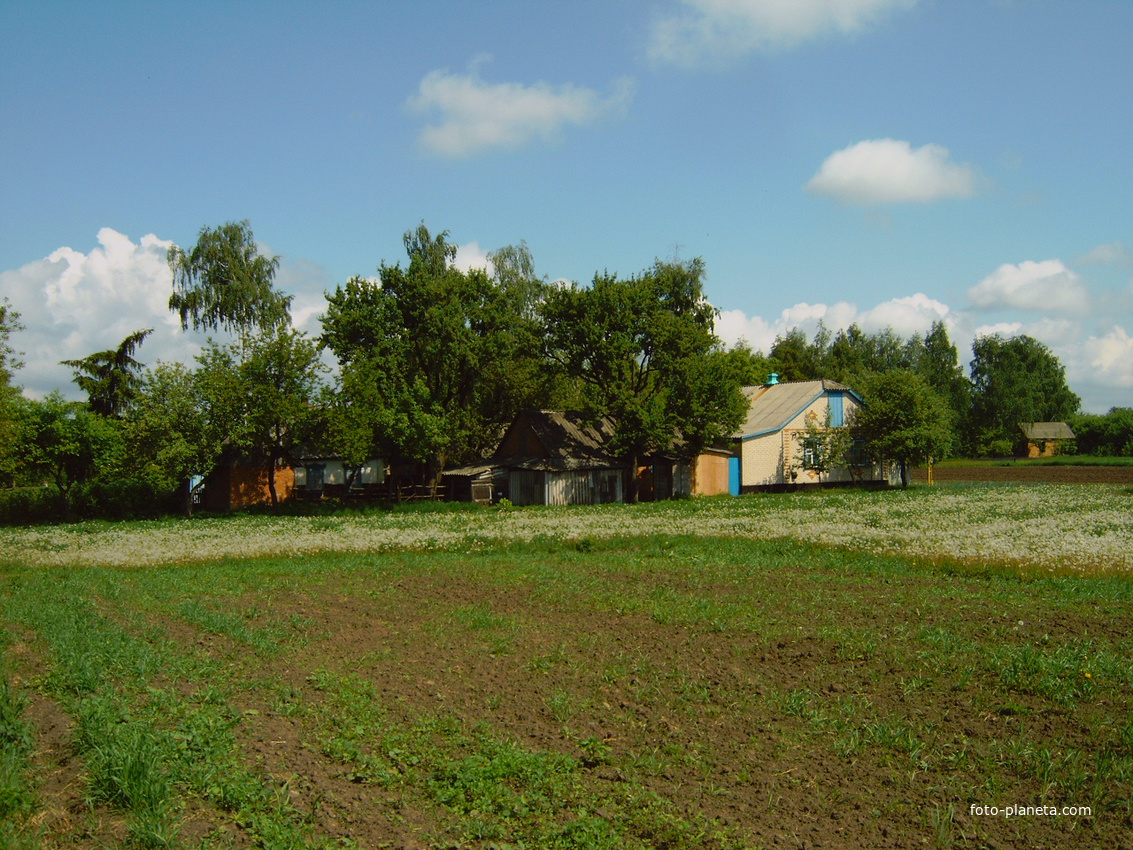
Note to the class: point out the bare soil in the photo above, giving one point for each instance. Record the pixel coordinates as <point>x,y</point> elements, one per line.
<point>1037,474</point>
<point>697,700</point>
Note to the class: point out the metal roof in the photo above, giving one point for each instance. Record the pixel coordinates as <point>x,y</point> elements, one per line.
<point>1046,431</point>
<point>772,407</point>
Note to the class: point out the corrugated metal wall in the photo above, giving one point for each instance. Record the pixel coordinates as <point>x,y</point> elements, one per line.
<point>582,487</point>
<point>526,488</point>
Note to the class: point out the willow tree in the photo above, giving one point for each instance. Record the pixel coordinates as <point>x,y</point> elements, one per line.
<point>224,283</point>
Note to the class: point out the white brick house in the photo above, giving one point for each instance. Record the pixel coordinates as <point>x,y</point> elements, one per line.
<point>772,448</point>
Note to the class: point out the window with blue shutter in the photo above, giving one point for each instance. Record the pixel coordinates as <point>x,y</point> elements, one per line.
<point>836,420</point>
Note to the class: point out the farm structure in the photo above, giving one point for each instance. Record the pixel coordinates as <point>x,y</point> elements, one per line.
<point>316,477</point>
<point>239,482</point>
<point>1043,439</point>
<point>774,445</point>
<point>554,457</point>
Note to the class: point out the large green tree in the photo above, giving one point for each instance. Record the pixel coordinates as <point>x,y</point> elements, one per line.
<point>224,283</point>
<point>644,349</point>
<point>171,434</point>
<point>434,360</point>
<point>1014,380</point>
<point>110,378</point>
<point>796,359</point>
<point>9,393</point>
<point>263,395</point>
<point>68,444</point>
<point>936,360</point>
<point>903,420</point>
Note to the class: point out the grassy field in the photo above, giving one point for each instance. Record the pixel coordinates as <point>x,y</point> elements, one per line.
<point>841,668</point>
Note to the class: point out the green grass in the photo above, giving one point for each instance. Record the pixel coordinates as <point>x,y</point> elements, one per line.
<point>618,690</point>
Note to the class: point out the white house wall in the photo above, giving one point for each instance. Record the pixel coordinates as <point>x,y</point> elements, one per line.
<point>766,459</point>
<point>373,471</point>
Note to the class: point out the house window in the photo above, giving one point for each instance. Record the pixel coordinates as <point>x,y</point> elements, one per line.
<point>812,453</point>
<point>857,455</point>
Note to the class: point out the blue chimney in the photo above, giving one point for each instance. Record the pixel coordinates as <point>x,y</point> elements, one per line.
<point>772,379</point>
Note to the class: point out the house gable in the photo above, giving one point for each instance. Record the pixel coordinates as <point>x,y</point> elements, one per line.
<point>771,408</point>
<point>771,439</point>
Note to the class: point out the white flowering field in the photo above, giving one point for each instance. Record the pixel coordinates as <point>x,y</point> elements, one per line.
<point>1086,529</point>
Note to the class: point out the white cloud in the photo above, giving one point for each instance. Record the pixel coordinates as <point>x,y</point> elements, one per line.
<point>1111,253</point>
<point>73,304</point>
<point>887,171</point>
<point>733,326</point>
<point>1044,286</point>
<point>475,116</point>
<point>472,256</point>
<point>907,316</point>
<point>1110,356</point>
<point>712,31</point>
<point>1004,329</point>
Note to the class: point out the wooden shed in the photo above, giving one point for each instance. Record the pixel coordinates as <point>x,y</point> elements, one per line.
<point>238,482</point>
<point>1044,439</point>
<point>556,457</point>
<point>546,457</point>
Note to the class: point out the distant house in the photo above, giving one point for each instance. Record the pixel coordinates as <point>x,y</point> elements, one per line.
<point>316,477</point>
<point>546,457</point>
<point>773,450</point>
<point>1043,439</point>
<point>555,457</point>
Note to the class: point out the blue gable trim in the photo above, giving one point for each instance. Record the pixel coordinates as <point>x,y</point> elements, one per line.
<point>785,422</point>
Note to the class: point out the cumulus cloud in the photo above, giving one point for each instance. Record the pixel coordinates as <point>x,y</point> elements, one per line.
<point>1110,356</point>
<point>734,326</point>
<point>474,116</point>
<point>888,171</point>
<point>711,31</point>
<point>472,256</point>
<point>73,304</point>
<point>1046,286</point>
<point>907,315</point>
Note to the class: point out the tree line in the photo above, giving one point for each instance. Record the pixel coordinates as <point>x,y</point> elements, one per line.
<point>433,362</point>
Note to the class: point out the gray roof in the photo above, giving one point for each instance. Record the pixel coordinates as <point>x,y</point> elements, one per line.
<point>1046,431</point>
<point>568,434</point>
<point>771,408</point>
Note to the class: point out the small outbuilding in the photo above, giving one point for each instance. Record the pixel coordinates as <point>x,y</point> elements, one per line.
<point>556,457</point>
<point>1044,439</point>
<point>240,481</point>
<point>546,457</point>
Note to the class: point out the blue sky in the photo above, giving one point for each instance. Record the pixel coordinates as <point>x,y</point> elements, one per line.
<point>889,162</point>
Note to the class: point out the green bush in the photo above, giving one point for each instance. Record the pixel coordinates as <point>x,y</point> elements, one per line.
<point>110,500</point>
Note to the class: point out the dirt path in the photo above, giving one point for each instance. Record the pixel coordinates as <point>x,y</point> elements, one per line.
<point>1028,474</point>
